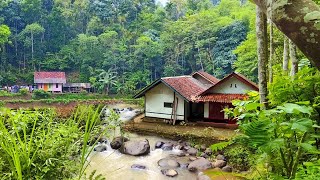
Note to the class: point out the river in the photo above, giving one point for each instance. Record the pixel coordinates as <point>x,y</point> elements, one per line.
<point>113,165</point>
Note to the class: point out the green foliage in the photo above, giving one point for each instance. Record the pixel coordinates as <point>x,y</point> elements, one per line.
<point>40,94</point>
<point>34,144</point>
<point>309,170</point>
<point>23,91</point>
<point>240,157</point>
<point>282,135</point>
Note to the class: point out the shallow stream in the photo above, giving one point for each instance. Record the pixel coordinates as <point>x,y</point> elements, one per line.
<point>116,166</point>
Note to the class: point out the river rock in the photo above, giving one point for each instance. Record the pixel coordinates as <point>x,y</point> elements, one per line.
<point>186,147</point>
<point>178,147</point>
<point>168,163</point>
<point>208,151</point>
<point>135,148</point>
<point>203,147</point>
<point>118,141</point>
<point>220,157</point>
<point>219,163</point>
<point>100,148</point>
<point>192,151</point>
<point>167,147</point>
<point>158,144</point>
<point>200,164</point>
<point>183,161</point>
<point>192,158</point>
<point>202,176</point>
<point>204,155</point>
<point>138,166</point>
<point>227,168</point>
<point>169,172</point>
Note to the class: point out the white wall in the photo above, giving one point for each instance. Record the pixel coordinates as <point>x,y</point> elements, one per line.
<point>154,103</point>
<point>206,110</point>
<point>226,88</point>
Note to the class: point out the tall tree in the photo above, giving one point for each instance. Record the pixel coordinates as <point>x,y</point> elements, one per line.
<point>30,32</point>
<point>271,51</point>
<point>299,21</point>
<point>4,38</point>
<point>262,51</point>
<point>293,58</point>
<point>285,58</point>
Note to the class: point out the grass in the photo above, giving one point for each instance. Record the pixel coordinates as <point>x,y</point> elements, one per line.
<point>37,145</point>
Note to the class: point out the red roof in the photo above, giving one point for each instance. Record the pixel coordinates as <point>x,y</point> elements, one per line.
<point>49,77</point>
<point>186,86</point>
<point>207,76</point>
<point>221,98</point>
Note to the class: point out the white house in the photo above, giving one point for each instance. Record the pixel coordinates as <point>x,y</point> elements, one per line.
<point>197,96</point>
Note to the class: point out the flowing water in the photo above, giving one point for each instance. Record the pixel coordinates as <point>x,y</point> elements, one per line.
<point>116,166</point>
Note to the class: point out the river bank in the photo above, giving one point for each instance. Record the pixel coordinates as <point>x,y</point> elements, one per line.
<point>191,132</point>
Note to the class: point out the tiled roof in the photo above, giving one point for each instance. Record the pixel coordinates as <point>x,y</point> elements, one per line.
<point>186,86</point>
<point>208,76</point>
<point>221,98</point>
<point>49,77</point>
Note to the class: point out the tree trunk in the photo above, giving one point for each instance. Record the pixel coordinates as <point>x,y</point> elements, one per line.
<point>293,57</point>
<point>299,20</point>
<point>271,53</point>
<point>285,54</point>
<point>262,47</point>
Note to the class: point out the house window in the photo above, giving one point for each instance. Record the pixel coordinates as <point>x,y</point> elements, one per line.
<point>167,105</point>
<point>235,85</point>
<point>57,85</point>
<point>231,85</point>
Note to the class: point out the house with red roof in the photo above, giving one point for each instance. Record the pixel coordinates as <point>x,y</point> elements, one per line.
<point>199,96</point>
<point>50,81</point>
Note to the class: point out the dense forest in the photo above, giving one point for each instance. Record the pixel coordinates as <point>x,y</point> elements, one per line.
<point>126,43</point>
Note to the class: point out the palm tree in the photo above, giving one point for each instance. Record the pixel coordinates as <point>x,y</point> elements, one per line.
<point>107,78</point>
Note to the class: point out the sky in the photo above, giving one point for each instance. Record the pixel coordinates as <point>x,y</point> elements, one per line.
<point>163,2</point>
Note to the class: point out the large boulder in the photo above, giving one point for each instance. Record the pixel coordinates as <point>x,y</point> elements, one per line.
<point>100,148</point>
<point>192,151</point>
<point>199,164</point>
<point>169,172</point>
<point>168,163</point>
<point>136,148</point>
<point>118,141</point>
<point>219,163</point>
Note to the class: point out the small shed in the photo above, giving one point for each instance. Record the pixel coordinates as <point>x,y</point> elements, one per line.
<point>76,87</point>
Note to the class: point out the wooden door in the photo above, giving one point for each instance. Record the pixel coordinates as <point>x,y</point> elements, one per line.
<point>45,87</point>
<point>215,111</point>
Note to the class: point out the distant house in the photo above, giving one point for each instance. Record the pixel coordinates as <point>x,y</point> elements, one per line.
<point>50,81</point>
<point>199,96</point>
<point>76,87</point>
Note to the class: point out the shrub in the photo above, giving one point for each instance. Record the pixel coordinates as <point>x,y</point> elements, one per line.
<point>23,91</point>
<point>239,157</point>
<point>40,94</point>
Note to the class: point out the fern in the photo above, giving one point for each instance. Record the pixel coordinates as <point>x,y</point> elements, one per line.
<point>220,146</point>
<point>257,132</point>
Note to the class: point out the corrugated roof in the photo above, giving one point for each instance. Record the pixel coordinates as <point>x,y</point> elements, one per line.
<point>49,77</point>
<point>186,86</point>
<point>221,98</point>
